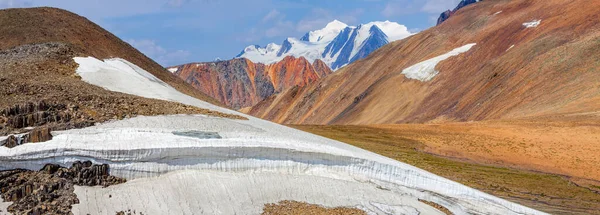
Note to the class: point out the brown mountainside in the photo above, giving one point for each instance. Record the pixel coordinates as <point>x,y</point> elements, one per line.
<point>513,71</point>
<point>39,89</point>
<point>240,83</point>
<point>41,25</point>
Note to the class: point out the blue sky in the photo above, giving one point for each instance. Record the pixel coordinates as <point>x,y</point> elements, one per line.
<point>180,31</point>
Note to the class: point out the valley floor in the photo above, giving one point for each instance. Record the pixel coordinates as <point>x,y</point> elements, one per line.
<point>549,166</point>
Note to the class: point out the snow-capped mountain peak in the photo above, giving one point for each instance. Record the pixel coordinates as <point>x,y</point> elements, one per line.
<point>335,24</point>
<point>331,30</point>
<point>273,47</point>
<point>337,44</point>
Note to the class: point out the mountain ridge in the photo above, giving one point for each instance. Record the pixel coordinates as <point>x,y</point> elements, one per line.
<point>337,44</point>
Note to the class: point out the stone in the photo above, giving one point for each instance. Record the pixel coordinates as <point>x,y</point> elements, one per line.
<point>50,190</point>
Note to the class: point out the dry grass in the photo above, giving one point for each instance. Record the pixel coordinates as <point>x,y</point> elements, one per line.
<point>559,147</point>
<point>302,208</point>
<point>546,192</point>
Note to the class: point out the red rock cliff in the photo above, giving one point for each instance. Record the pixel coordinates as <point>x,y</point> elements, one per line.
<point>241,83</point>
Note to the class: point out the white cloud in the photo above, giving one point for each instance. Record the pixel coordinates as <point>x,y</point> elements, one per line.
<point>275,23</point>
<point>281,28</point>
<point>273,14</point>
<point>158,53</point>
<point>319,17</point>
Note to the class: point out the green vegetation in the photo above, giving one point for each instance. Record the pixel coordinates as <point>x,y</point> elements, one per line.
<point>546,192</point>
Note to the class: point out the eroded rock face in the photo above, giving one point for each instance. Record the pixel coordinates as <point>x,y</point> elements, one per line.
<point>34,136</point>
<point>26,119</point>
<point>50,190</point>
<point>241,83</point>
<point>37,113</point>
<point>11,141</point>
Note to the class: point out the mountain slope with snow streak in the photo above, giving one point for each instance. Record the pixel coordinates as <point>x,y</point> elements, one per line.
<point>337,44</point>
<point>186,164</point>
<point>517,56</point>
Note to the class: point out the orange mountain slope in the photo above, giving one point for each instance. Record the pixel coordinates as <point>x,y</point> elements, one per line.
<point>241,83</point>
<point>532,58</point>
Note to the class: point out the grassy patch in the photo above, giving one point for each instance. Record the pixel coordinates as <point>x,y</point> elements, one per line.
<point>546,192</point>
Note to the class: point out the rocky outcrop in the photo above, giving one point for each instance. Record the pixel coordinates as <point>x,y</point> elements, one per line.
<point>321,68</point>
<point>40,135</point>
<point>27,118</point>
<point>36,113</point>
<point>50,190</point>
<point>446,14</point>
<point>241,83</point>
<point>11,141</point>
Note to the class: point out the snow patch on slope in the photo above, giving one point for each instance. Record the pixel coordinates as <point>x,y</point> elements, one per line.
<point>326,34</point>
<point>425,71</point>
<point>532,24</point>
<point>173,70</point>
<point>120,75</point>
<point>509,48</point>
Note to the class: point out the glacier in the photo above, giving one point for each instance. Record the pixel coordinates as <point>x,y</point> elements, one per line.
<point>198,164</point>
<point>337,44</point>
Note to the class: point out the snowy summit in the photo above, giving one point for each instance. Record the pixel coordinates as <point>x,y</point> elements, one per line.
<point>337,44</point>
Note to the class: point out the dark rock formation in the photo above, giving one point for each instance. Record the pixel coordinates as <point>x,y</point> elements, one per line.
<point>39,135</point>
<point>50,190</point>
<point>447,14</point>
<point>444,16</point>
<point>12,141</point>
<point>34,136</point>
<point>26,119</point>
<point>37,113</point>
